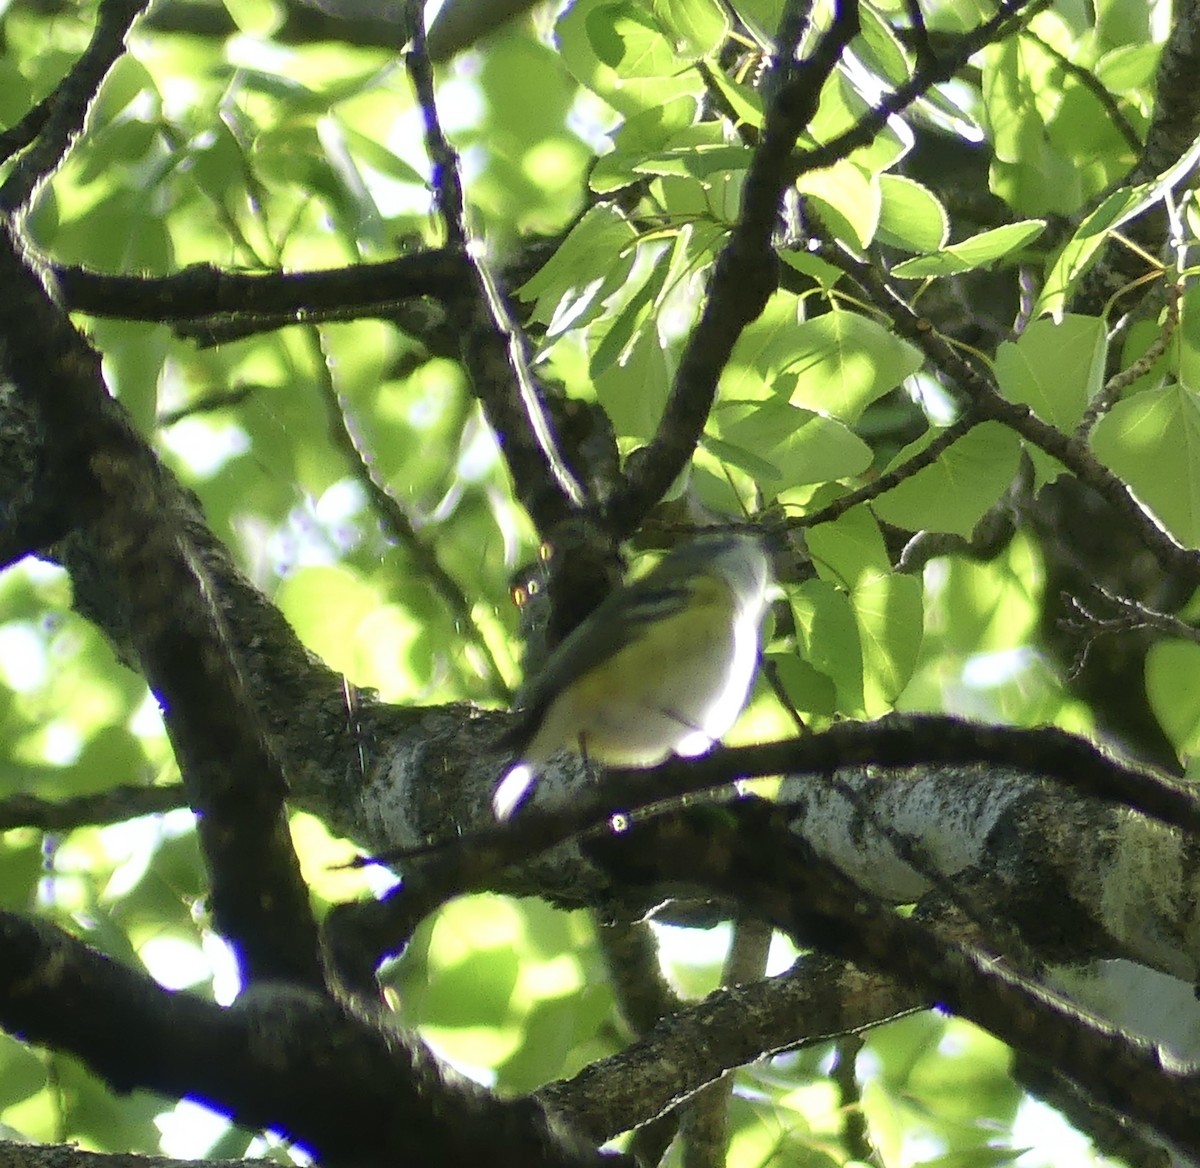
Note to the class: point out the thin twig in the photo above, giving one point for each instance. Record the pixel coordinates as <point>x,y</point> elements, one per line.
<point>1111,392</point>
<point>396,521</point>
<point>938,69</point>
<point>493,348</point>
<point>68,105</point>
<point>986,402</point>
<point>1132,616</point>
<point>207,403</point>
<point>892,478</point>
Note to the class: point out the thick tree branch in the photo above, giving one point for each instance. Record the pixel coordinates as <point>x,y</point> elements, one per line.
<point>354,1093</point>
<point>752,857</point>
<point>435,873</point>
<point>115,805</point>
<point>270,299</point>
<point>112,495</point>
<point>821,996</point>
<point>21,1155</point>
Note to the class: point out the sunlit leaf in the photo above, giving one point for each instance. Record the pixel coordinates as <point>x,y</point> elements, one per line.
<point>1152,441</point>
<point>911,216</point>
<point>977,252</point>
<point>1055,367</point>
<point>1173,687</point>
<point>844,361</point>
<point>954,492</point>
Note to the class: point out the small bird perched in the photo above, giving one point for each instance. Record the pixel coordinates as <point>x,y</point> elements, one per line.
<point>662,666</point>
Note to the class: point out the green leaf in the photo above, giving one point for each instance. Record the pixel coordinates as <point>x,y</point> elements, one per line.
<point>1186,340</point>
<point>640,135</point>
<point>20,871</point>
<point>954,492</point>
<point>804,447</point>
<point>120,233</point>
<point>216,163</point>
<point>848,548</point>
<point>763,350</point>
<point>1153,442</point>
<point>15,93</point>
<point>128,141</point>
<point>844,362</point>
<point>1055,368</point>
<point>808,689</point>
<point>745,100</point>
<point>758,468</point>
<point>1021,85</point>
<point>22,1072</point>
<point>256,18</point>
<point>847,199</point>
<point>890,611</point>
<point>619,52</point>
<point>702,162</point>
<point>634,315</point>
<point>590,264</point>
<point>911,216</point>
<point>377,156</point>
<point>698,27</point>
<point>828,636</point>
<point>1080,250</point>
<point>634,390</point>
<point>327,605</point>
<point>817,269</point>
<point>1173,687</point>
<point>126,82</point>
<point>884,51</point>
<point>1128,67</point>
<point>474,992</point>
<point>293,153</point>
<point>976,252</point>
<point>630,41</point>
<point>134,356</point>
<point>1124,22</point>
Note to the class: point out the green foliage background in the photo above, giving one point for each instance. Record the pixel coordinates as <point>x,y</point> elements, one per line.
<point>250,153</point>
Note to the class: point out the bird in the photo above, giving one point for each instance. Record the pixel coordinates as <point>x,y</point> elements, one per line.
<point>662,666</point>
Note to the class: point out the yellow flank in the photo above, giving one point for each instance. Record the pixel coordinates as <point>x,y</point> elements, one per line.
<point>628,710</point>
<point>665,650</point>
